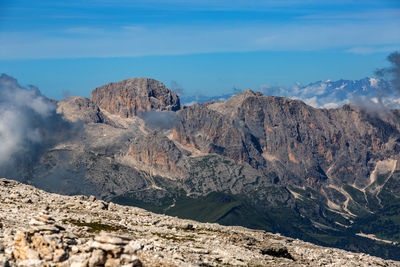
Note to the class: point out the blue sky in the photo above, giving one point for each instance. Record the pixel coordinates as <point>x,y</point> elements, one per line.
<point>207,47</point>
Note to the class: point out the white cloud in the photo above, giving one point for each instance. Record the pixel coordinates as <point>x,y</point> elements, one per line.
<point>331,105</point>
<point>11,130</point>
<point>373,82</point>
<point>18,107</point>
<point>341,87</point>
<point>311,101</point>
<point>191,103</point>
<point>318,89</point>
<point>28,123</point>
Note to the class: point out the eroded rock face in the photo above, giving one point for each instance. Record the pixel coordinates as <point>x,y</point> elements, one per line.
<point>80,109</point>
<point>157,153</point>
<point>134,96</point>
<point>303,145</point>
<point>42,229</point>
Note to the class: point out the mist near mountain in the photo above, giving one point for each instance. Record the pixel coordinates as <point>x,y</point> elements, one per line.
<point>29,125</point>
<point>158,120</point>
<point>392,73</point>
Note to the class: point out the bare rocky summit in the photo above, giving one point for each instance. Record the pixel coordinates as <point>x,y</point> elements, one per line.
<point>134,96</point>
<point>44,229</point>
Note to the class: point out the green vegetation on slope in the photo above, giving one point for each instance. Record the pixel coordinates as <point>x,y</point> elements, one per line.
<point>228,209</point>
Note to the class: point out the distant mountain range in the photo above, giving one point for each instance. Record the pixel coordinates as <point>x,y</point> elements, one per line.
<point>324,94</point>
<point>327,176</point>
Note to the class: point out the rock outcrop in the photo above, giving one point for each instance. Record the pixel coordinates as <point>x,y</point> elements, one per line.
<point>42,229</point>
<point>134,96</point>
<point>80,109</point>
<point>158,155</point>
<point>304,146</point>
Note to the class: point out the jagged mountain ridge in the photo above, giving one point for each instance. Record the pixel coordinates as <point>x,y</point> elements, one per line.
<point>254,160</point>
<point>264,131</point>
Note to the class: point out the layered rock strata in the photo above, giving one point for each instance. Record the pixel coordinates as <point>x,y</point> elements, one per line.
<point>134,96</point>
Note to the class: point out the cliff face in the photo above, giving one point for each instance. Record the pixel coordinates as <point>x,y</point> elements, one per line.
<point>253,160</point>
<point>134,96</point>
<point>158,155</point>
<point>80,109</point>
<point>303,145</point>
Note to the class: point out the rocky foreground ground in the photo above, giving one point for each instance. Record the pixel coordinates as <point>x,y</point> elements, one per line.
<point>43,229</point>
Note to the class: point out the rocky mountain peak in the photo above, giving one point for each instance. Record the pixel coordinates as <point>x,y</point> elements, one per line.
<point>230,106</point>
<point>236,99</point>
<point>134,96</point>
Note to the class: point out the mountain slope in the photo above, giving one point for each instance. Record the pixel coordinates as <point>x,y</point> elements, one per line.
<point>54,230</point>
<point>264,162</point>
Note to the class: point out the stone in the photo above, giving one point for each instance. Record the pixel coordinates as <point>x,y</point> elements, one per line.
<point>31,263</point>
<point>101,205</point>
<point>112,263</point>
<point>131,259</point>
<point>276,250</point>
<point>45,228</point>
<point>111,206</point>
<point>188,227</point>
<point>132,247</point>
<point>4,262</point>
<point>81,260</point>
<point>27,200</point>
<point>114,249</point>
<point>98,258</point>
<point>112,239</point>
<point>35,221</point>
<point>60,255</point>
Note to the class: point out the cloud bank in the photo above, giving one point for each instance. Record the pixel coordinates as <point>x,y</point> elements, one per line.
<point>29,124</point>
<point>392,73</point>
<point>159,120</point>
